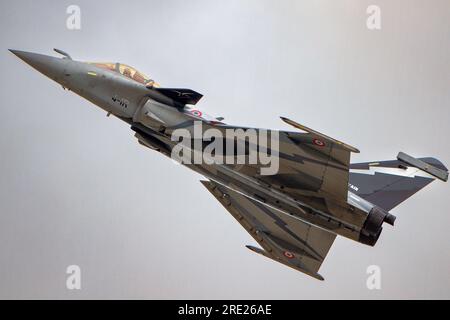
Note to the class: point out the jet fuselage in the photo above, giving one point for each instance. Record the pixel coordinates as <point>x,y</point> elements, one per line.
<point>153,116</point>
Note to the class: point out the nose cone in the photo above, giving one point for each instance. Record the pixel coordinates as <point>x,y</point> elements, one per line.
<point>50,66</point>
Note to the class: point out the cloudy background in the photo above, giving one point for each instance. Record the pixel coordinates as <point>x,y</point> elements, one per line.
<point>76,188</point>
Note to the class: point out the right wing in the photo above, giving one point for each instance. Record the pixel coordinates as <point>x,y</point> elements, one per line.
<point>283,238</point>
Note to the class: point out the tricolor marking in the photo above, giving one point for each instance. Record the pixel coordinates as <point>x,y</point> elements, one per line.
<point>318,142</point>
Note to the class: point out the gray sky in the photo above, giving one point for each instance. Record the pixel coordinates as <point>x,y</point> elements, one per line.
<point>76,188</point>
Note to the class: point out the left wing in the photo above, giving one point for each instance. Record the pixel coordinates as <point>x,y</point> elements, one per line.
<point>283,238</point>
<point>311,164</point>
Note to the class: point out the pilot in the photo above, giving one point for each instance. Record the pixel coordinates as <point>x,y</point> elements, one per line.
<point>127,73</point>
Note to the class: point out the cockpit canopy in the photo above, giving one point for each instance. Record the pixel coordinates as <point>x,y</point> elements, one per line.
<point>127,71</point>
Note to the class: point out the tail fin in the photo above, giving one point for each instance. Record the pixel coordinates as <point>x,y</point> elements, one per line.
<point>389,183</point>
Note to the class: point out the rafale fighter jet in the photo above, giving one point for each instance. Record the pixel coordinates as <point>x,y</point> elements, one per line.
<point>294,213</point>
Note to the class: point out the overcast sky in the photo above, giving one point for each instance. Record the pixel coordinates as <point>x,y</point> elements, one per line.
<point>76,188</point>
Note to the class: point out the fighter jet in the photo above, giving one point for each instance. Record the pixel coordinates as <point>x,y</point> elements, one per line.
<point>293,212</point>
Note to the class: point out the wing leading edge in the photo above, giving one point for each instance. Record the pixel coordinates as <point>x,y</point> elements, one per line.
<point>283,238</point>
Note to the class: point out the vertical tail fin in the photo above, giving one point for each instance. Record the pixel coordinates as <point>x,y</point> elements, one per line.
<point>389,183</point>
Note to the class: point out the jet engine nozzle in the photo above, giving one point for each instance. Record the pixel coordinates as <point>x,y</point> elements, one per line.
<point>372,228</point>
